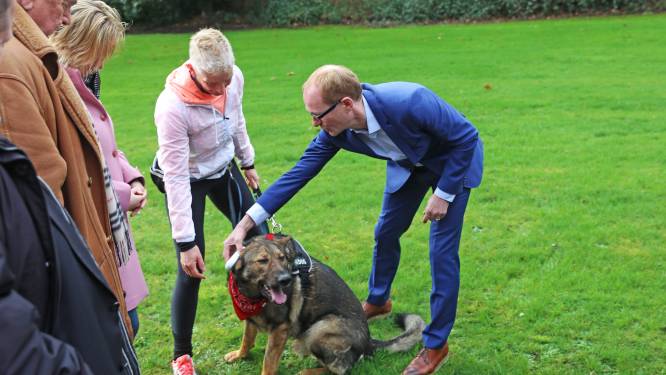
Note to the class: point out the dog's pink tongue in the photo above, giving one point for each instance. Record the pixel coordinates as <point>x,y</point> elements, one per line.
<point>278,296</point>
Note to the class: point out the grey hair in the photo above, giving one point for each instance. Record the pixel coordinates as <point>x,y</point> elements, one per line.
<point>211,53</point>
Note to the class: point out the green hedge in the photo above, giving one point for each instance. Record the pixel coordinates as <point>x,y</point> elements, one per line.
<point>290,12</point>
<point>312,12</point>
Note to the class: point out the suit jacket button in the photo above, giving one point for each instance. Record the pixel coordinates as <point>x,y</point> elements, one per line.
<point>115,153</point>
<point>89,181</point>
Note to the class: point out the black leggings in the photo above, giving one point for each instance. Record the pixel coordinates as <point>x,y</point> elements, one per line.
<point>186,291</point>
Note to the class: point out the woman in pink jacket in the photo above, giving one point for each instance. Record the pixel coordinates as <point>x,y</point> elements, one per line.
<point>83,47</point>
<point>200,128</point>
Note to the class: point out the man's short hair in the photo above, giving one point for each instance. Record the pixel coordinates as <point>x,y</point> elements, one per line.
<point>211,53</point>
<point>91,37</point>
<point>335,82</point>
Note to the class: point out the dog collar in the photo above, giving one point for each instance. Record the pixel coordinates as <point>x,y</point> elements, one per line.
<point>245,307</point>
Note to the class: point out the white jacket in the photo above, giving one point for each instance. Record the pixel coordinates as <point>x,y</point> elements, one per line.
<point>198,142</point>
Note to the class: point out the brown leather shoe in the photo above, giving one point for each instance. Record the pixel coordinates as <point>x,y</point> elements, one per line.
<point>428,361</point>
<point>373,312</point>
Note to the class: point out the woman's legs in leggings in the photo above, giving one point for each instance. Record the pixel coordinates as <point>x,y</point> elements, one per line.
<point>186,292</point>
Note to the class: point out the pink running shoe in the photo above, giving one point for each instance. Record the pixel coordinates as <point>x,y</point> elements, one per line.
<point>183,365</point>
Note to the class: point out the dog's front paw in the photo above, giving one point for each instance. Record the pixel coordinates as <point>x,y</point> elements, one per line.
<point>234,356</point>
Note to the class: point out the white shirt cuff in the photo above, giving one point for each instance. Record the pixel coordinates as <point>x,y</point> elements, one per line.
<point>446,196</point>
<point>258,214</point>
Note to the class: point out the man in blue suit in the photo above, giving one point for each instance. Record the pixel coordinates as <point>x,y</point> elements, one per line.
<point>427,144</point>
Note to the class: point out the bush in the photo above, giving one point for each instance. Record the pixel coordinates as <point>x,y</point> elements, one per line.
<point>169,12</point>
<point>290,12</point>
<point>312,12</point>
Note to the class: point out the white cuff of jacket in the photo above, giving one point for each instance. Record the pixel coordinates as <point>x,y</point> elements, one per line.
<point>258,214</point>
<point>446,196</point>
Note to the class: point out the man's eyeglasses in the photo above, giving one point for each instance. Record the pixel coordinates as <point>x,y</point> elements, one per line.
<point>319,116</point>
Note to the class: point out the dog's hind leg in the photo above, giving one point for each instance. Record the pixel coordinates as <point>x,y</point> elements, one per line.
<point>249,334</point>
<point>277,339</point>
<point>334,358</point>
<point>337,343</point>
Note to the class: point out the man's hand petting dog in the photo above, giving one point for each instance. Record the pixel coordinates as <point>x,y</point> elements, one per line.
<point>234,242</point>
<point>193,263</point>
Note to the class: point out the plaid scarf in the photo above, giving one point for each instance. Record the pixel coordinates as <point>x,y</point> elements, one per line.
<point>119,225</point>
<point>93,81</point>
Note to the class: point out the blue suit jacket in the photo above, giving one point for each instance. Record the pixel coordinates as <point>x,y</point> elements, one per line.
<point>425,128</point>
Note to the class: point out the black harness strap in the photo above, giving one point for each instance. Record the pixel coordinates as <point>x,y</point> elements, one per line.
<point>302,264</point>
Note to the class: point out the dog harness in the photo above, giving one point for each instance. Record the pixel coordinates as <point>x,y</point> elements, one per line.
<point>302,264</point>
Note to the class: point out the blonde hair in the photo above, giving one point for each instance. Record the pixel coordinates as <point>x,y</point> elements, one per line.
<point>335,82</point>
<point>92,36</point>
<point>211,53</point>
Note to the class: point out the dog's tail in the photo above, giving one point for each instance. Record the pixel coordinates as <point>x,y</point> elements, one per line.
<point>412,325</point>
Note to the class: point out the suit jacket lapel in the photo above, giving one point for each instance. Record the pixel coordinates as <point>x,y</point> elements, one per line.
<point>355,144</point>
<point>393,132</point>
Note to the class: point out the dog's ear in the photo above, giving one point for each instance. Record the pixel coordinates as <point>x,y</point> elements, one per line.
<point>290,250</point>
<point>286,244</point>
<point>282,240</point>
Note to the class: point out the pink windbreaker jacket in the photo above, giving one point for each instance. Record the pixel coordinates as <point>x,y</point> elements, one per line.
<point>197,142</point>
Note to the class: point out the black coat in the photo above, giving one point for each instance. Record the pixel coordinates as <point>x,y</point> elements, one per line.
<point>57,313</point>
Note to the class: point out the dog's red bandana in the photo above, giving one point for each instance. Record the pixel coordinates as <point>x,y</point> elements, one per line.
<point>244,306</point>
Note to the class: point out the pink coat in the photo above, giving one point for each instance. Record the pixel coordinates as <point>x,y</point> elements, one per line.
<point>122,173</point>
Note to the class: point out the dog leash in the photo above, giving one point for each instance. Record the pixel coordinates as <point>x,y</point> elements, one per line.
<point>275,226</point>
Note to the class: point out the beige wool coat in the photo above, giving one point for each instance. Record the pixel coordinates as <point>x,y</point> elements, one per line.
<point>44,116</point>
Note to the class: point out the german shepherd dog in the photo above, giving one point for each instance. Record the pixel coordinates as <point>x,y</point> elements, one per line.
<point>317,309</point>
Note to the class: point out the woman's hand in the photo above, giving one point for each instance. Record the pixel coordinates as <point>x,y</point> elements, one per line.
<point>252,178</point>
<point>138,198</point>
<point>192,263</point>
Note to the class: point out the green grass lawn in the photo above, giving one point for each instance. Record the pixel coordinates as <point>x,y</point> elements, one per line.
<point>563,251</point>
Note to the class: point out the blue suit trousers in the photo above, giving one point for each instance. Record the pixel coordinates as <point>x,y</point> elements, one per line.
<point>398,210</point>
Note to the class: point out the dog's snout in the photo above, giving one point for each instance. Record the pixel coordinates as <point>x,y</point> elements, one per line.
<point>284,279</point>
